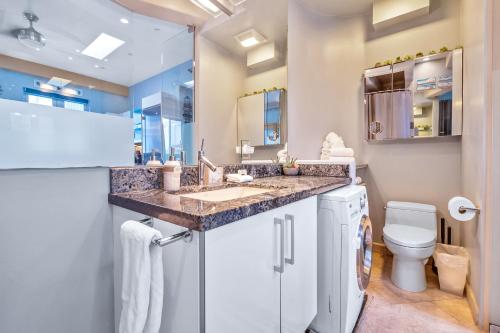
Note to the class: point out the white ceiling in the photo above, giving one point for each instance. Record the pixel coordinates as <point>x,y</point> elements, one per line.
<point>270,18</point>
<point>151,45</point>
<point>339,7</point>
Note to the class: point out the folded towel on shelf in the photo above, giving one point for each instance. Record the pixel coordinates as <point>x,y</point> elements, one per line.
<point>142,288</point>
<point>237,178</point>
<point>340,152</point>
<point>247,150</point>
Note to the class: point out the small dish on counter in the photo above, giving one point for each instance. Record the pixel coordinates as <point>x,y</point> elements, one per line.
<point>290,171</point>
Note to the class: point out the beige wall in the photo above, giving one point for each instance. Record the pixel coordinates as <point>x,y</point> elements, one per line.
<point>474,140</point>
<point>326,59</point>
<point>494,177</point>
<point>220,78</point>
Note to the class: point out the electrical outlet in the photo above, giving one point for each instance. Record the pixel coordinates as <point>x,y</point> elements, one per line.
<point>494,328</point>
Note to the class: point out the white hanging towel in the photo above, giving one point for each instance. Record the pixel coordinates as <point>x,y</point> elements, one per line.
<point>142,288</point>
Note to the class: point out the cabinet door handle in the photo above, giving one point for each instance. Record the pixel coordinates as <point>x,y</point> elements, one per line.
<point>291,218</point>
<point>281,267</point>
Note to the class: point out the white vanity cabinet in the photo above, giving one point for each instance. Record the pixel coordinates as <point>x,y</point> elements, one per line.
<point>254,275</point>
<point>250,284</point>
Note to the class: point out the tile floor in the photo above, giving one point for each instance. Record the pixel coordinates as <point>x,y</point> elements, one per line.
<point>390,309</point>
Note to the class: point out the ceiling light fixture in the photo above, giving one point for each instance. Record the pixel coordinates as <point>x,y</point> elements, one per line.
<point>70,58</point>
<point>77,50</point>
<point>215,7</point>
<point>58,81</point>
<point>250,38</point>
<point>29,36</point>
<point>69,91</point>
<point>124,20</point>
<point>207,6</point>
<point>102,46</point>
<point>46,86</point>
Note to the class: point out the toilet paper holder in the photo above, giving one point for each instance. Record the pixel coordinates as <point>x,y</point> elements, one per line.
<point>463,209</point>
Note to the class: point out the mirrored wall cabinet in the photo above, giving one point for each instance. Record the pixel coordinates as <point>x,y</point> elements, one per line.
<point>415,99</point>
<point>262,118</point>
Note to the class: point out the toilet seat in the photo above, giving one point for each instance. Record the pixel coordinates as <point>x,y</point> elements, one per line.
<point>408,236</point>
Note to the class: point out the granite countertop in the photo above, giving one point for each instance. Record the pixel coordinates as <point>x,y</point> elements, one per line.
<point>204,215</point>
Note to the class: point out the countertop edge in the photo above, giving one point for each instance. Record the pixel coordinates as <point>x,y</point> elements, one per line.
<point>209,222</point>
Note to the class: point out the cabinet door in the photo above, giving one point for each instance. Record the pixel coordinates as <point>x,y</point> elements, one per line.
<point>299,279</point>
<point>242,289</point>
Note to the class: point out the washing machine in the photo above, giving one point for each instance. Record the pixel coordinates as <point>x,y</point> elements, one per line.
<point>344,258</point>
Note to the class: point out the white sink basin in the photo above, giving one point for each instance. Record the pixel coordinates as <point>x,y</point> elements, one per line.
<point>225,194</point>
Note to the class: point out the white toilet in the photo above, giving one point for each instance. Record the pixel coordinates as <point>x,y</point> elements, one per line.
<point>410,234</point>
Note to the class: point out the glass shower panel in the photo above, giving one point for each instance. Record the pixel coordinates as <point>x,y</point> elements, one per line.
<point>178,95</point>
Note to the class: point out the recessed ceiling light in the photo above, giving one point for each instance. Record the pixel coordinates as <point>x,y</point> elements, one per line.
<point>38,49</point>
<point>70,58</point>
<point>124,20</point>
<point>77,50</point>
<point>96,66</point>
<point>207,6</point>
<point>58,81</point>
<point>102,46</point>
<point>105,59</point>
<point>250,38</point>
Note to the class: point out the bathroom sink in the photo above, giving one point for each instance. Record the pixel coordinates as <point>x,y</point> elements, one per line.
<point>226,194</point>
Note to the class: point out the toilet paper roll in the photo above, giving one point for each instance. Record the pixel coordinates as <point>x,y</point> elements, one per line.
<point>455,208</point>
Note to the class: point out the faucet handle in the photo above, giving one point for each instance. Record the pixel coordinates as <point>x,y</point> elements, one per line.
<point>202,144</point>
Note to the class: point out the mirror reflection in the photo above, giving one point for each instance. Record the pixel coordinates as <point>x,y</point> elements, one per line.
<point>416,98</point>
<point>252,43</point>
<point>108,60</point>
<point>261,118</point>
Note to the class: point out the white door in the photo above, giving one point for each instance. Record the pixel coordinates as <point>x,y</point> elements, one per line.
<point>299,279</point>
<point>242,288</point>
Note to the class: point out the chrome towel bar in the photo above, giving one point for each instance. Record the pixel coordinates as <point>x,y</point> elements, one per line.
<point>187,235</point>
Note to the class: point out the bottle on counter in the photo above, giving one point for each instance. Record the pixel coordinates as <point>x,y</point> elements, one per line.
<point>172,175</point>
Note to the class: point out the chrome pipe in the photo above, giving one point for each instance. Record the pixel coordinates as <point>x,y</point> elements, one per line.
<point>187,235</point>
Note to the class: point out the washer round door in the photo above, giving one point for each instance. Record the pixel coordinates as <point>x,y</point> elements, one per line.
<point>364,252</point>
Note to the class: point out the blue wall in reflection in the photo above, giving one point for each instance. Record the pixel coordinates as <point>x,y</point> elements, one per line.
<point>176,110</point>
<point>13,83</point>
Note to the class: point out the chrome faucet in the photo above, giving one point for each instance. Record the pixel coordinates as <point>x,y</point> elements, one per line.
<point>202,161</point>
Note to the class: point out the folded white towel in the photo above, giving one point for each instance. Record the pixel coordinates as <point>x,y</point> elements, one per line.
<point>142,289</point>
<point>333,137</point>
<point>236,178</point>
<point>339,152</point>
<point>247,150</point>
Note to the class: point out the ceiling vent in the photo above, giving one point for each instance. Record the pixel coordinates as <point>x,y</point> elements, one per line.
<point>29,36</point>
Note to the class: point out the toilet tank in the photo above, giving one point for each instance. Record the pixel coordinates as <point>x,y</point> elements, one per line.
<point>412,214</point>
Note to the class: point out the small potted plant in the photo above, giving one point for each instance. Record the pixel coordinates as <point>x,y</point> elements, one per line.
<point>290,167</point>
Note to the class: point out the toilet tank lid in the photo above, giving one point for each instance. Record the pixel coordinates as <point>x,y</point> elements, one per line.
<point>411,206</point>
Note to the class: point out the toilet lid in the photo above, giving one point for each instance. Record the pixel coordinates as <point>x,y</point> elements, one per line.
<point>409,236</point>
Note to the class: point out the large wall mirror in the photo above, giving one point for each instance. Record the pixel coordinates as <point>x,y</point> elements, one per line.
<point>97,56</point>
<point>253,44</point>
<point>415,99</point>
